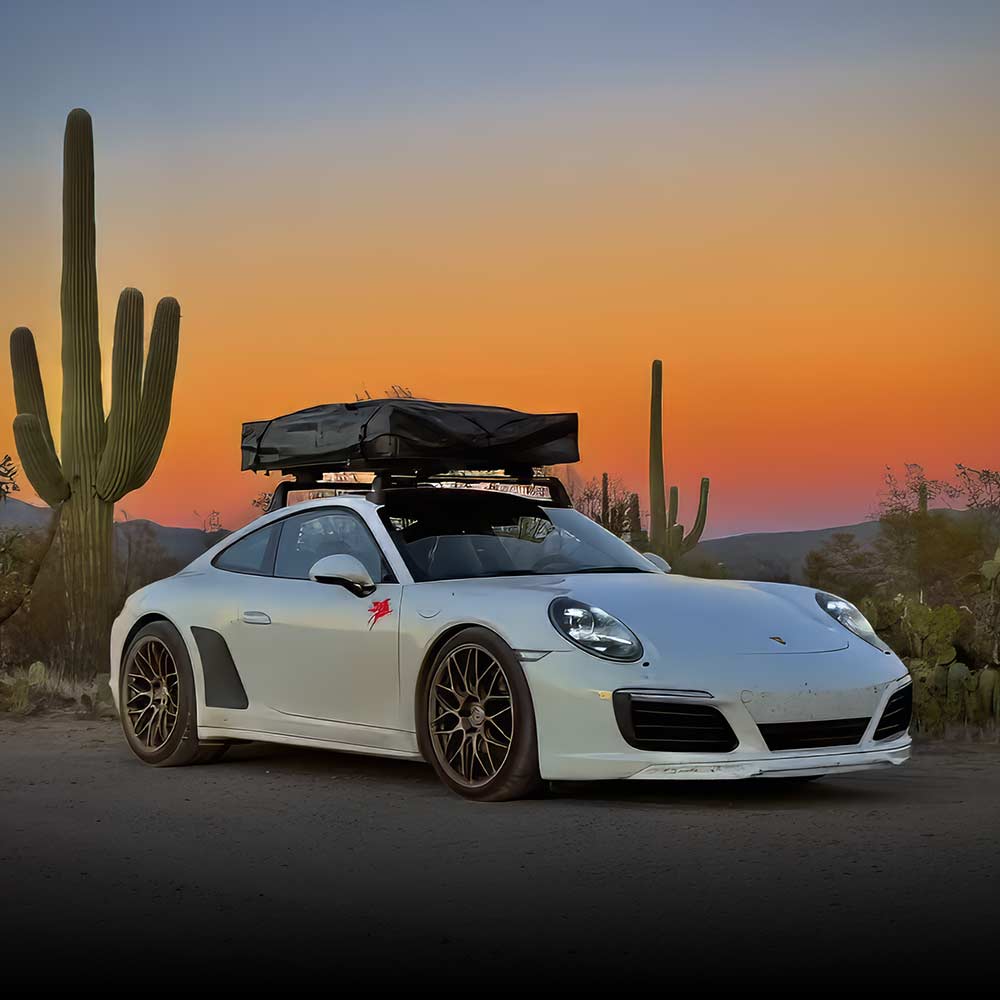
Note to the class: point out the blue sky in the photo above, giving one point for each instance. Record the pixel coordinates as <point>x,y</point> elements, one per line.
<point>194,64</point>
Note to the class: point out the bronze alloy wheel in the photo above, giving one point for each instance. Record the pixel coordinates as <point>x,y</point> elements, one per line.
<point>471,715</point>
<point>152,693</point>
<point>157,700</point>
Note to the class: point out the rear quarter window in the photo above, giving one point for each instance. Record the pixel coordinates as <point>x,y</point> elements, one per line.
<point>253,553</point>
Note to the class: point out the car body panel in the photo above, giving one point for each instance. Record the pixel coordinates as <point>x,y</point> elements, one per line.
<point>317,658</point>
<point>579,737</point>
<point>330,671</point>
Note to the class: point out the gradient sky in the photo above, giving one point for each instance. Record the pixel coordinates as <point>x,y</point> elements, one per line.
<point>794,205</point>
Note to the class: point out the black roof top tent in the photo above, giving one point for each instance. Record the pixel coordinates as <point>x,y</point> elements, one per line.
<point>410,441</point>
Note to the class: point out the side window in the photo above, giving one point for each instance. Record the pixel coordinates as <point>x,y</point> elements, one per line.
<point>309,537</point>
<point>254,553</point>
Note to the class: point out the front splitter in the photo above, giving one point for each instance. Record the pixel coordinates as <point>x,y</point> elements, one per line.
<point>801,765</point>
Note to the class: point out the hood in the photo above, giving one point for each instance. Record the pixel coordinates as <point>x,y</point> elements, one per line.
<point>674,614</point>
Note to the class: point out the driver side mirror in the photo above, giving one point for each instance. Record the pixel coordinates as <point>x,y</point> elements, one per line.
<point>343,570</point>
<point>658,561</point>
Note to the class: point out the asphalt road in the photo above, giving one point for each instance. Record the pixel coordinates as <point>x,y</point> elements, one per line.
<point>291,866</point>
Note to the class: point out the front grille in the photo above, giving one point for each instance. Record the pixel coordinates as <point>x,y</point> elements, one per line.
<point>803,735</point>
<point>896,717</point>
<point>681,727</point>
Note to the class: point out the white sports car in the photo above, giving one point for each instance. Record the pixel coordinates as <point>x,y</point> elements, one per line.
<point>505,639</point>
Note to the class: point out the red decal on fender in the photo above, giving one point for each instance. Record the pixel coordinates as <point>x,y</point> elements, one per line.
<point>379,609</point>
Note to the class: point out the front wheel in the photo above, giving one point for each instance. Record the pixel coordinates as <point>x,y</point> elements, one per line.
<point>475,720</point>
<point>157,701</point>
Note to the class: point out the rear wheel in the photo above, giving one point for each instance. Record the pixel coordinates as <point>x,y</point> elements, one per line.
<point>157,701</point>
<point>475,721</point>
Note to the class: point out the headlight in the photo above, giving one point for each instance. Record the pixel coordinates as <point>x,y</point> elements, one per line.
<point>849,616</point>
<point>594,630</point>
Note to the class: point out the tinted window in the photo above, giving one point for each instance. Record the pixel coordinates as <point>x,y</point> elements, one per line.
<point>309,537</point>
<point>253,553</point>
<point>453,534</point>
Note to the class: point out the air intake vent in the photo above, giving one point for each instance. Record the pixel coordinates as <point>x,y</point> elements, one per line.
<point>650,723</point>
<point>896,717</point>
<point>806,735</point>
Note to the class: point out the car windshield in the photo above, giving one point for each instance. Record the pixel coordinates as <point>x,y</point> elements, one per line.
<point>454,534</point>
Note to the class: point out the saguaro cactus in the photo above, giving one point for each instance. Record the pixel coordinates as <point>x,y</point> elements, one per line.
<point>636,536</point>
<point>102,459</point>
<point>666,536</point>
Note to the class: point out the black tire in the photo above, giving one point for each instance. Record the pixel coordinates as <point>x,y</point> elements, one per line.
<point>516,776</point>
<point>157,649</point>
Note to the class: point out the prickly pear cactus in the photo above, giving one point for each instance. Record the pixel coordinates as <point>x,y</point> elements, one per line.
<point>927,705</point>
<point>939,681</point>
<point>931,632</point>
<point>958,679</point>
<point>988,692</point>
<point>973,715</point>
<point>945,655</point>
<point>20,693</point>
<point>952,699</point>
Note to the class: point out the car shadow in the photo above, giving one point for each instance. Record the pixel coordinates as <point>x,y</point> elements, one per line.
<point>302,761</point>
<point>754,794</point>
<point>750,795</point>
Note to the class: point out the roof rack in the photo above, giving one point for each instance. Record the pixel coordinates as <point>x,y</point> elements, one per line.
<point>386,482</point>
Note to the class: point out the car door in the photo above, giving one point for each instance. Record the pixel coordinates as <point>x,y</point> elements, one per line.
<point>323,660</point>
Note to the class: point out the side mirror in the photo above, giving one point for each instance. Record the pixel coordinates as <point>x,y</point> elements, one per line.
<point>658,561</point>
<point>343,570</point>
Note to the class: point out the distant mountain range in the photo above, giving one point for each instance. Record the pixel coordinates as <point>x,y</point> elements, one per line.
<point>179,545</point>
<point>758,555</point>
<point>780,555</point>
<point>775,555</point>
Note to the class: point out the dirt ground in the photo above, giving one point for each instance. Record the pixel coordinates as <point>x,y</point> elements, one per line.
<point>290,865</point>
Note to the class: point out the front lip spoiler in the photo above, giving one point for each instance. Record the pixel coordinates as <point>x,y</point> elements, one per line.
<point>801,765</point>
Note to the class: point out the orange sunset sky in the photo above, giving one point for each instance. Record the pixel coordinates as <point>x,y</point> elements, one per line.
<point>798,214</point>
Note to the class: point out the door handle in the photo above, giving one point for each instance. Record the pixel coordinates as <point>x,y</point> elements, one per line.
<point>255,618</point>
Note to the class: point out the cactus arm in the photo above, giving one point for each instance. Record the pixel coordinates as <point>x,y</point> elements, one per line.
<point>157,388</point>
<point>657,501</point>
<point>699,523</point>
<point>672,509</point>
<point>674,544</point>
<point>38,459</point>
<point>114,472</point>
<point>83,425</point>
<point>29,393</point>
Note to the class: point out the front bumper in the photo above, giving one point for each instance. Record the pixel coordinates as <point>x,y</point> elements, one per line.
<point>579,738</point>
<point>803,764</point>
